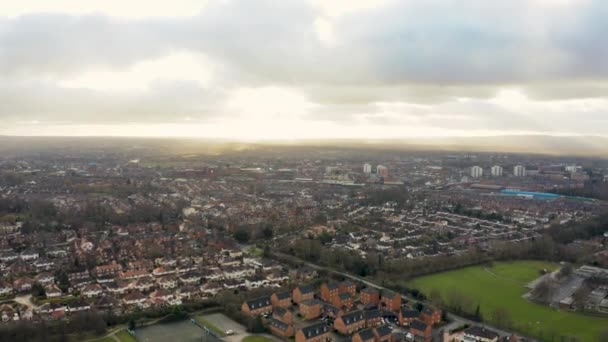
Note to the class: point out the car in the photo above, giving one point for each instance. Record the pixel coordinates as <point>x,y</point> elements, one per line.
<point>229,332</point>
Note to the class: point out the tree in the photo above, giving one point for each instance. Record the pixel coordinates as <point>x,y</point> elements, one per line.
<point>435,297</point>
<point>478,313</point>
<point>241,235</point>
<point>566,271</point>
<point>543,292</point>
<point>132,325</point>
<point>603,336</point>
<point>38,290</point>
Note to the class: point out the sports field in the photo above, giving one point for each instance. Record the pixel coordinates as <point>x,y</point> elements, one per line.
<point>179,331</point>
<point>502,286</point>
<point>256,338</point>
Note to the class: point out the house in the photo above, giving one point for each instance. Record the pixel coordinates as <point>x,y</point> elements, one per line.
<point>187,292</point>
<point>282,329</point>
<point>330,292</point>
<point>347,324</point>
<point>406,316</point>
<point>421,330</point>
<point>430,316</point>
<point>391,301</point>
<point>190,278</point>
<point>92,290</point>
<point>107,270</point>
<point>5,288</point>
<point>23,284</point>
<point>45,278</point>
<point>349,287</point>
<point>310,309</point>
<point>78,305</point>
<point>372,318</point>
<point>161,294</point>
<point>313,333</point>
<point>257,306</point>
<point>283,315</point>
<point>301,293</point>
<point>370,296</point>
<point>343,301</point>
<point>29,255</point>
<point>480,334</point>
<point>281,299</point>
<point>383,333</point>
<point>211,289</point>
<point>366,335</point>
<point>134,298</point>
<point>143,284</point>
<point>167,282</point>
<point>118,287</point>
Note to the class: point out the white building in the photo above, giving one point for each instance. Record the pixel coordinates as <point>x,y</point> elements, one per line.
<point>476,171</point>
<point>496,171</point>
<point>519,171</point>
<point>367,168</point>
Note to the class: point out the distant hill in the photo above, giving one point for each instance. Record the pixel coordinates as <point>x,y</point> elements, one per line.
<point>595,146</point>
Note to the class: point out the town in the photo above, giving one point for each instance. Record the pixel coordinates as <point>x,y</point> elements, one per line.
<point>304,244</point>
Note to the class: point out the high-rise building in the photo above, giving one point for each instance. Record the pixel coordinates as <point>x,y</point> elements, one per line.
<point>476,171</point>
<point>496,171</point>
<point>382,171</point>
<point>367,168</point>
<point>519,171</point>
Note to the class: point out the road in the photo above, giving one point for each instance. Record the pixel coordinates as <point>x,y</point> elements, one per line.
<point>457,320</point>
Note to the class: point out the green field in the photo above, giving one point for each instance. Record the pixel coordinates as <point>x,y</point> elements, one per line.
<point>255,338</point>
<point>124,336</point>
<point>201,319</point>
<point>502,286</point>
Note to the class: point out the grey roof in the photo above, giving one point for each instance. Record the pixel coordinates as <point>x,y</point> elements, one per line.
<point>344,296</point>
<point>383,330</point>
<point>367,334</point>
<point>315,330</point>
<point>407,313</point>
<point>372,314</point>
<point>305,289</point>
<point>283,295</point>
<point>481,332</point>
<point>353,317</point>
<point>418,325</point>
<point>278,324</point>
<point>259,302</point>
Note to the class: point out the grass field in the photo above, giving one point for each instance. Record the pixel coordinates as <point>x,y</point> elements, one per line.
<point>124,336</point>
<point>201,319</point>
<point>254,338</point>
<point>502,286</point>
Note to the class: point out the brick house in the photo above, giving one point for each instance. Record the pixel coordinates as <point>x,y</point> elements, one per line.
<point>330,292</point>
<point>313,333</point>
<point>281,329</point>
<point>343,301</point>
<point>391,301</point>
<point>421,330</point>
<point>310,308</point>
<point>301,293</point>
<point>257,306</point>
<point>283,315</point>
<point>383,333</point>
<point>349,287</point>
<point>370,296</point>
<point>430,316</point>
<point>406,316</point>
<point>281,299</point>
<point>372,318</point>
<point>366,335</point>
<point>347,324</point>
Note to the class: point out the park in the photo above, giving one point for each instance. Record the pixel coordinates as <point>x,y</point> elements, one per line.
<point>498,288</point>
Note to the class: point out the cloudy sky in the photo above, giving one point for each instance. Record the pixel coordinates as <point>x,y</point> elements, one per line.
<point>262,69</point>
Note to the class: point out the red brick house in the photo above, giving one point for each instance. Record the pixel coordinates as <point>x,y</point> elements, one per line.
<point>349,287</point>
<point>257,306</point>
<point>391,301</point>
<point>313,333</point>
<point>310,309</point>
<point>406,316</point>
<point>366,335</point>
<point>281,299</point>
<point>421,330</point>
<point>347,324</point>
<point>430,316</point>
<point>302,293</point>
<point>281,329</point>
<point>370,296</point>
<point>330,292</point>
<point>283,315</point>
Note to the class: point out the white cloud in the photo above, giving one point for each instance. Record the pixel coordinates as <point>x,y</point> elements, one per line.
<point>174,67</point>
<point>118,8</point>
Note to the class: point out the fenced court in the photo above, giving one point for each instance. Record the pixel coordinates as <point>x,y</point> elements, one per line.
<point>183,331</point>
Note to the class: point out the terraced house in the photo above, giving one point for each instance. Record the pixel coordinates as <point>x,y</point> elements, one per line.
<point>349,323</point>
<point>258,306</point>
<point>313,333</point>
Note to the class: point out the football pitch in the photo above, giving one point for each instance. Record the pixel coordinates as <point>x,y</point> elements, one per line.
<point>502,286</point>
<point>178,331</point>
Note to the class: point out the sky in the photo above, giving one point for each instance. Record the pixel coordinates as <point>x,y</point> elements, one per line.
<point>267,69</point>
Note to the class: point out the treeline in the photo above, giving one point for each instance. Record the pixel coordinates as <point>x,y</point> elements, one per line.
<point>579,230</point>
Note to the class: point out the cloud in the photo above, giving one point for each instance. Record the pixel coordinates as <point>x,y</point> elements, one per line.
<point>443,64</point>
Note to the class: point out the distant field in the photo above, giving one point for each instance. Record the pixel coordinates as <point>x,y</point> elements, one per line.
<point>502,286</point>
<point>183,331</point>
<point>202,320</point>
